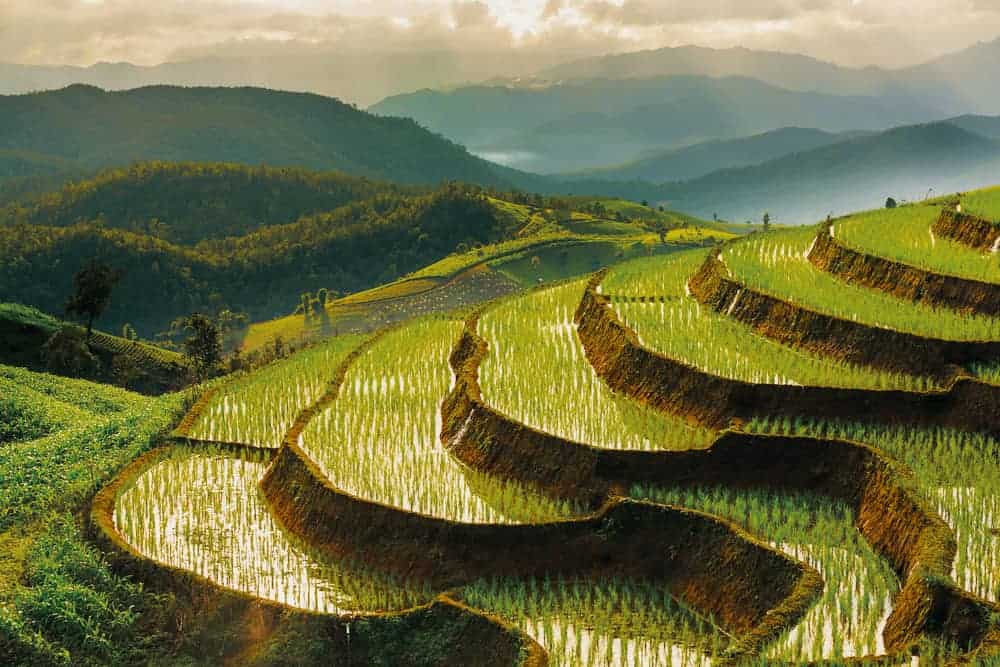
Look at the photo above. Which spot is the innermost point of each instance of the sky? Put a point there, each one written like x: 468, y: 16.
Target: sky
x: 889, y: 33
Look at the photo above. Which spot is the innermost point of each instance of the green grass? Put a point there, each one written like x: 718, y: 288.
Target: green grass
x: 955, y: 472
x: 201, y: 510
x: 681, y: 328
x: 848, y: 619
x: 259, y: 408
x: 984, y: 203
x: 536, y: 372
x: 775, y: 263
x: 904, y: 235
x: 380, y: 440
x: 599, y: 622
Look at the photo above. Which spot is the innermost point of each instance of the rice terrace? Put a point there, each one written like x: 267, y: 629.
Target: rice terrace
x: 499, y: 333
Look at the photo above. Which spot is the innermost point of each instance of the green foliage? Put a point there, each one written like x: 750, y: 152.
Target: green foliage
x: 262, y: 274
x: 187, y: 202
x: 72, y: 599
x: 92, y: 286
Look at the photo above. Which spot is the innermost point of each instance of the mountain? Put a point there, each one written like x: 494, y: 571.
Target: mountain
x: 583, y: 124
x: 362, y: 78
x: 957, y: 83
x: 690, y: 162
x: 784, y: 70
x: 93, y: 128
x: 905, y: 163
x: 988, y: 126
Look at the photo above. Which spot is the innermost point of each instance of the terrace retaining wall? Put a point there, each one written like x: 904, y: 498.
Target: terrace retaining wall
x: 831, y: 336
x: 902, y: 280
x: 970, y: 230
x: 690, y: 553
x: 888, y: 513
x: 486, y: 640
x: 710, y: 400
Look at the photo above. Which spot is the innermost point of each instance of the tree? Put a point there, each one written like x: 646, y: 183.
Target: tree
x: 767, y: 221
x: 67, y: 352
x: 203, y: 346
x: 891, y: 203
x: 92, y: 285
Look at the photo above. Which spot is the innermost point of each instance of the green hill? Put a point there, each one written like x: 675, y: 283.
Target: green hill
x: 188, y: 202
x: 25, y: 330
x: 93, y: 128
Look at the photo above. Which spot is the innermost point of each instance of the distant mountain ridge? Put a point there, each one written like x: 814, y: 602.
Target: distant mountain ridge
x: 92, y: 128
x: 594, y: 123
x: 682, y: 164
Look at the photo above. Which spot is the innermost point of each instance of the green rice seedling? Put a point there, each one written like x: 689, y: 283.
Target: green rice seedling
x: 904, y: 235
x: 777, y: 264
x: 380, y: 439
x: 678, y: 326
x: 202, y: 511
x: 259, y: 408
x: 536, y: 371
x: 601, y: 622
x: 984, y: 203
x: 955, y: 472
x: 848, y: 619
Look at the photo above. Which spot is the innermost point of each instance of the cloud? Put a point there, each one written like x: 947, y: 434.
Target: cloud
x: 855, y: 32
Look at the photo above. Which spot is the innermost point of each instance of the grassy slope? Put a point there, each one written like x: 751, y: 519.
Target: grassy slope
x: 25, y: 330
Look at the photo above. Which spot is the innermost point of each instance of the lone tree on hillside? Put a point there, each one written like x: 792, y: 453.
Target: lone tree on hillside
x: 891, y: 203
x: 92, y: 287
x: 767, y: 221
x: 203, y: 346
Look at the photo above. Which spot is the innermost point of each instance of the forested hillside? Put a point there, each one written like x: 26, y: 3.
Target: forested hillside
x: 188, y: 202
x: 91, y: 128
x: 349, y: 248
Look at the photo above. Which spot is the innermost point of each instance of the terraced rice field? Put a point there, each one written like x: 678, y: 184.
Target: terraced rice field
x: 601, y: 623
x: 201, y: 510
x: 776, y: 264
x: 537, y: 372
x: 904, y: 235
x: 676, y: 325
x: 848, y: 620
x: 956, y: 472
x: 259, y: 408
x: 377, y: 438
x: 380, y: 440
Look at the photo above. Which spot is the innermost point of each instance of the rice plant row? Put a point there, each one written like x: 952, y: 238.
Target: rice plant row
x: 956, y: 472
x: 202, y: 511
x: 536, y: 372
x: 679, y: 327
x: 601, y: 622
x: 380, y: 439
x: 777, y: 264
x: 849, y: 618
x: 904, y: 235
x: 259, y: 408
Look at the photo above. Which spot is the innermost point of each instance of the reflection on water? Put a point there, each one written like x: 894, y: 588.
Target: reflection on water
x: 203, y: 512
